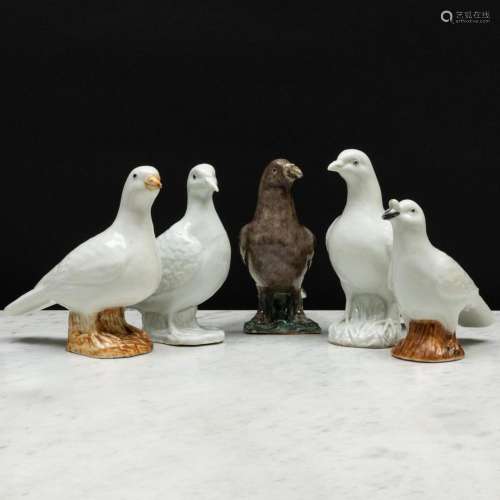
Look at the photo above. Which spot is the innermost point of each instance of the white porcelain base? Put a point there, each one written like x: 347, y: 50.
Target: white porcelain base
x: 373, y: 334
x: 183, y: 331
x: 373, y: 322
x: 188, y: 337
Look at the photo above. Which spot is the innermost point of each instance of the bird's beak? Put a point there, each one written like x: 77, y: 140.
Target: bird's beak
x: 212, y: 182
x: 390, y: 213
x: 153, y: 182
x: 335, y: 166
x: 393, y: 211
x: 293, y: 172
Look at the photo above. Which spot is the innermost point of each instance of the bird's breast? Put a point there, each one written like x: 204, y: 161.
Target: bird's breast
x: 359, y: 253
x: 143, y: 269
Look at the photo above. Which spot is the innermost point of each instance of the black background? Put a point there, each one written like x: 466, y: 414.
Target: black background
x: 91, y: 92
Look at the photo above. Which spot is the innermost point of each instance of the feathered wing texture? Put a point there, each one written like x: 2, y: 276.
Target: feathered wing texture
x: 180, y: 254
x: 452, y: 280
x: 310, y: 257
x: 243, y: 243
x: 455, y: 283
x: 312, y: 240
x: 95, y: 262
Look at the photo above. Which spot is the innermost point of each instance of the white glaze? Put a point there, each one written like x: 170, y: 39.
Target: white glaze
x: 255, y: 418
x: 196, y: 255
x: 359, y: 244
x: 429, y: 284
x: 116, y: 268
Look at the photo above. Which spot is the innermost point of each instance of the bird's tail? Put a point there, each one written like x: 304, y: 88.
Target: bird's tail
x: 31, y: 301
x: 477, y: 314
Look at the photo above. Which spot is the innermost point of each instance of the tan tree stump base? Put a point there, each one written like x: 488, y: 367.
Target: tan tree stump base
x: 427, y: 341
x: 106, y: 335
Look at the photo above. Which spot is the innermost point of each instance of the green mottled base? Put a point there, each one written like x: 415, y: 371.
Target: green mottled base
x: 282, y: 327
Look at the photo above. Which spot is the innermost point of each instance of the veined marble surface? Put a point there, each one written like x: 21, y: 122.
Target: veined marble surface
x: 257, y: 417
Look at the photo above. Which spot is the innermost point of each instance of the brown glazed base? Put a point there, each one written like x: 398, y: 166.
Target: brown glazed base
x: 427, y: 341
x: 106, y: 335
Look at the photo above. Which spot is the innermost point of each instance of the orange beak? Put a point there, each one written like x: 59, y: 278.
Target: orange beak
x: 153, y: 182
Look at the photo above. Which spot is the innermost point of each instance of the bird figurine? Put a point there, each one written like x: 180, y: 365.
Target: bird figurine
x: 100, y: 277
x: 195, y: 253
x: 434, y: 293
x: 278, y: 251
x: 359, y: 244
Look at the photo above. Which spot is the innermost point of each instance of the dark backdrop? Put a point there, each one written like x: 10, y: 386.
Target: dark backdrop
x: 92, y: 92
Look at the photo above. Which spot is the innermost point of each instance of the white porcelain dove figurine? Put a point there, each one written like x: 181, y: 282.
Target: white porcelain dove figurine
x: 429, y: 284
x: 195, y: 254
x: 359, y: 244
x: 114, y: 269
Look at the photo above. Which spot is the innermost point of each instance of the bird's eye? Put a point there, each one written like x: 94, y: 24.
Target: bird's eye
x: 355, y: 163
x: 194, y: 176
x: 135, y: 176
x: 413, y: 211
x: 275, y: 171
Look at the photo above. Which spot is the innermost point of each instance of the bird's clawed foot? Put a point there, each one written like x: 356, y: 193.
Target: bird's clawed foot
x: 260, y: 323
x: 300, y: 317
x: 302, y: 324
x: 281, y: 312
x: 182, y: 328
x: 299, y: 324
x: 106, y: 335
x: 188, y: 336
x: 260, y: 318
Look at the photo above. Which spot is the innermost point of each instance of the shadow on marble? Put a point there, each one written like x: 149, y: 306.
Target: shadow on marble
x: 48, y: 341
x: 468, y: 341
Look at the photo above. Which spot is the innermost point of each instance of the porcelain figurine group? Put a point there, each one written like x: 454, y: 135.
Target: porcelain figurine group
x: 124, y: 266
x: 387, y: 267
x: 389, y: 270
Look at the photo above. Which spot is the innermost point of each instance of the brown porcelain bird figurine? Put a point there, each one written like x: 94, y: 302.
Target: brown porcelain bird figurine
x: 278, y: 251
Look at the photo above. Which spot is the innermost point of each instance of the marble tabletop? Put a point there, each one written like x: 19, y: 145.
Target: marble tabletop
x: 258, y: 417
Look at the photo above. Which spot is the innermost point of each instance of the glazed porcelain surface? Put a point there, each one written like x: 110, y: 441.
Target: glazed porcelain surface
x: 264, y: 417
x: 359, y: 244
x: 429, y: 284
x: 112, y: 270
x: 278, y: 251
x: 116, y: 268
x: 196, y: 255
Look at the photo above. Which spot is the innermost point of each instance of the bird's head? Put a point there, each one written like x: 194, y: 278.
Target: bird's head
x: 141, y: 187
x: 201, y: 181
x: 353, y: 166
x: 405, y: 215
x: 280, y: 174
